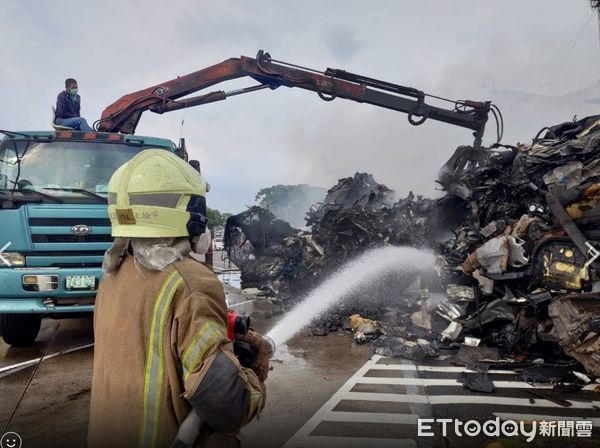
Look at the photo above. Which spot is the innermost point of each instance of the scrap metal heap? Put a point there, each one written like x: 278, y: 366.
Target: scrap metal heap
x: 357, y: 214
x: 519, y: 271
x: 269, y: 252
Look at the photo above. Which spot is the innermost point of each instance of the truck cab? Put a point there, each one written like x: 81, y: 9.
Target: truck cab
x: 54, y: 226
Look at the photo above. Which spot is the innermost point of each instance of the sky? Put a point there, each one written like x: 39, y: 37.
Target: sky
x: 533, y: 58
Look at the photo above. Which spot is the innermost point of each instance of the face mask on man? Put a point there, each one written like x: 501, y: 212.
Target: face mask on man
x: 73, y: 91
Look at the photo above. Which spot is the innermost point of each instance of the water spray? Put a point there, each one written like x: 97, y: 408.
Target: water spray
x: 367, y: 268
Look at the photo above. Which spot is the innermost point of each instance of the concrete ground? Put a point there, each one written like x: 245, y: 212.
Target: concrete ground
x: 47, y: 402
x: 303, y: 378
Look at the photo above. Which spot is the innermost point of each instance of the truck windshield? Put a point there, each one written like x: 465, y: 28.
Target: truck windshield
x: 61, y: 168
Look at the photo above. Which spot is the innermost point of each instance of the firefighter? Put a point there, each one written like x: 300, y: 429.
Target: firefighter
x: 161, y: 346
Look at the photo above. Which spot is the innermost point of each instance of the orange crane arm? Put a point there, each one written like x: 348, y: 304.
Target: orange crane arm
x: 124, y: 114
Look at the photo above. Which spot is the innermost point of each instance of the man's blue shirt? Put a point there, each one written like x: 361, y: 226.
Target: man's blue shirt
x: 67, y: 106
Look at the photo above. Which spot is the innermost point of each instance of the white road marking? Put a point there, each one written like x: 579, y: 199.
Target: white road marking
x: 326, y: 413
x: 453, y: 382
x: 371, y: 417
x: 539, y: 402
x: 553, y: 418
x: 303, y: 438
x: 414, y: 368
x: 393, y: 398
x: 463, y: 399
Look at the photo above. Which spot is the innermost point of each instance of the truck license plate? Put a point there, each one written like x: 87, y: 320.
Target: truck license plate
x: 81, y: 281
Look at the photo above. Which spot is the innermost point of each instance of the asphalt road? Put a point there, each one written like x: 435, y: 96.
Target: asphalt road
x: 379, y: 406
x: 47, y: 401
x: 322, y: 391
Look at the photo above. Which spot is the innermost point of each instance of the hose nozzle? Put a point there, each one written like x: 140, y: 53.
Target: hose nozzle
x: 272, y: 345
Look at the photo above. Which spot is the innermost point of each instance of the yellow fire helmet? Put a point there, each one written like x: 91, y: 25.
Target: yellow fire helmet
x: 156, y: 194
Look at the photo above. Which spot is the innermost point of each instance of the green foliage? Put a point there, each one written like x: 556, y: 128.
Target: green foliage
x: 216, y: 218
x: 276, y: 195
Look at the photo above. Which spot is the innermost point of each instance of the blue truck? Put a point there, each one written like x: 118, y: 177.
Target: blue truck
x: 54, y: 226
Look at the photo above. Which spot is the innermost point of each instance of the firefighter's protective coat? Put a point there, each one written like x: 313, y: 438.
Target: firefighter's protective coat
x: 157, y: 335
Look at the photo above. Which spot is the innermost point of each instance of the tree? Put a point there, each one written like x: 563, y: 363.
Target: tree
x: 216, y: 218
x: 272, y: 197
x: 595, y: 4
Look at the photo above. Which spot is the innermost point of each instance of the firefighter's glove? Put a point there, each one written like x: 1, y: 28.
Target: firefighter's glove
x: 261, y: 348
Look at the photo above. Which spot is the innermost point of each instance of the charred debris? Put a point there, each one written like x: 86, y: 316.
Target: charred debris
x: 517, y: 234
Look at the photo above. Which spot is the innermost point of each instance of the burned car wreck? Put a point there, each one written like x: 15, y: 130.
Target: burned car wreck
x: 517, y: 237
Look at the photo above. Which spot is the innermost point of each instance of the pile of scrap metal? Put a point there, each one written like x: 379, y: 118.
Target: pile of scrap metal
x: 357, y: 214
x: 522, y: 270
x: 268, y: 251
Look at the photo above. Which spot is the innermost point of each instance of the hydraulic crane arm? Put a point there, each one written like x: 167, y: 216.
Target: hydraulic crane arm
x: 124, y: 115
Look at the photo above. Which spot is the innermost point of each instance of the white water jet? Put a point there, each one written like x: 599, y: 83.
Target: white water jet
x: 367, y: 268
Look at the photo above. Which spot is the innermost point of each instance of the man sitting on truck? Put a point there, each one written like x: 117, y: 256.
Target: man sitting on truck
x: 68, y: 104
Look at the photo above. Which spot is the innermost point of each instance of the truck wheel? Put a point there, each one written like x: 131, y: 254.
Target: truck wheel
x: 19, y: 330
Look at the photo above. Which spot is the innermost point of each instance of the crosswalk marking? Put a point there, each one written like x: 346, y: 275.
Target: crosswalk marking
x: 517, y: 417
x: 415, y: 368
x: 397, y: 398
x: 452, y: 382
x: 372, y: 417
x: 303, y: 437
x: 473, y: 399
x: 478, y: 399
x: 351, y: 411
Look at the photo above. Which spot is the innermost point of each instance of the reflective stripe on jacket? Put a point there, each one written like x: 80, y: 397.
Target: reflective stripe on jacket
x: 156, y: 336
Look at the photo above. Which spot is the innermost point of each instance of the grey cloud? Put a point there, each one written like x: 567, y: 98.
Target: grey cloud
x: 290, y: 136
x: 342, y: 42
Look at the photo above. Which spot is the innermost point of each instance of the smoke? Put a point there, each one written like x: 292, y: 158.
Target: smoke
x: 536, y: 71
x: 292, y: 202
x: 343, y: 42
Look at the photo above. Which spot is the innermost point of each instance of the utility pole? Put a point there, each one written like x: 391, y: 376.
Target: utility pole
x: 595, y: 4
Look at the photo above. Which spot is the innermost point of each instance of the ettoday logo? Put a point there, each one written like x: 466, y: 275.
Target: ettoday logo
x: 507, y: 428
